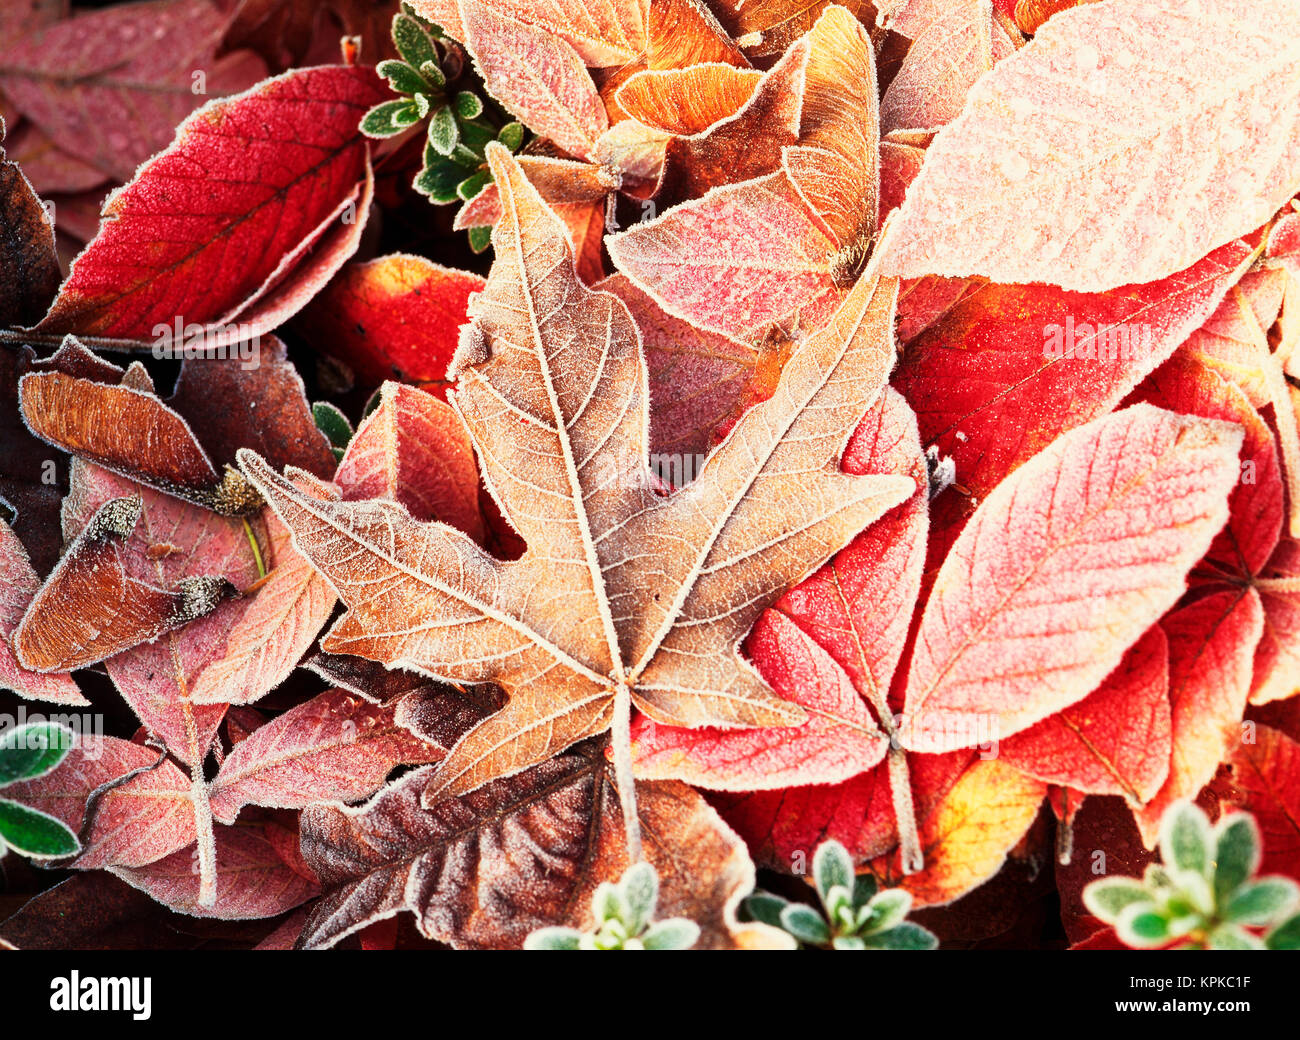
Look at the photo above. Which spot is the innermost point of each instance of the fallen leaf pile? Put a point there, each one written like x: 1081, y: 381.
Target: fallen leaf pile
x: 442, y: 471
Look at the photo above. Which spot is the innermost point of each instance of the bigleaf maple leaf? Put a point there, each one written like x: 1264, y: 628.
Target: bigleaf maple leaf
x: 624, y: 596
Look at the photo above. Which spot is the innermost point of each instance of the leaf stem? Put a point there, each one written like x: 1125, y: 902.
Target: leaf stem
x: 1279, y: 586
x: 257, y: 552
x: 900, y: 787
x: 621, y: 738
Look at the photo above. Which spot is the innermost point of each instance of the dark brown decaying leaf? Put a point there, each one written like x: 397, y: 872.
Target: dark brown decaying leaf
x: 29, y: 269
x: 484, y: 869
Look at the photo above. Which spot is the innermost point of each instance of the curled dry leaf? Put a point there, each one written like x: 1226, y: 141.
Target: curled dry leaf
x: 564, y: 450
x: 18, y: 585
x: 99, y: 600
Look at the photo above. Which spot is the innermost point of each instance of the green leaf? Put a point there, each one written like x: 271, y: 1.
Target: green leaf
x: 1186, y: 838
x: 434, y: 74
x: 676, y: 933
x: 402, y: 77
x: 34, y: 833
x: 1285, y: 936
x: 906, y: 936
x: 805, y: 924
x: 607, y: 903
x: 468, y: 105
x: 33, y: 750
x: 1193, y: 893
x: 1230, y: 937
x: 766, y: 908
x: 886, y: 910
x: 864, y: 887
x: 422, y: 105
x: 333, y: 423
x: 512, y: 136
x: 480, y: 238
x: 1140, y: 926
x: 832, y: 866
x: 439, y: 182
x: 1107, y: 899
x: 387, y: 119
x: 473, y: 184
x: 554, y: 939
x: 1261, y: 902
x: 1236, y: 854
x: 412, y: 42
x: 640, y: 892
x: 444, y: 133
x: 848, y: 942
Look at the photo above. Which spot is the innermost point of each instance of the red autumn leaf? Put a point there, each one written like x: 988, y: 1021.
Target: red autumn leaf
x: 113, y: 84
x: 538, y: 77
x: 1022, y: 186
x: 696, y: 378
x: 783, y: 828
x: 1277, y: 659
x: 18, y: 585
x: 740, y: 257
x: 830, y: 644
x: 172, y: 541
x: 130, y: 805
x: 278, y: 625
x: 1117, y: 740
x: 252, y: 878
x: 49, y: 168
x: 1211, y: 648
x: 1266, y: 783
x: 1068, y: 561
x: 335, y: 747
x: 391, y: 318
x: 298, y: 165
x: 1255, y: 507
x: 412, y: 449
x: 1010, y: 368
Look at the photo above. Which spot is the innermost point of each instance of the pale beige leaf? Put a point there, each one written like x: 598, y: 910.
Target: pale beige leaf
x: 1126, y: 141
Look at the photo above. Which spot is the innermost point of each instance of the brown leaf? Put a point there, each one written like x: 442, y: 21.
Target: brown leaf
x: 91, y: 607
x: 471, y: 871
x: 553, y: 393
x: 29, y: 268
